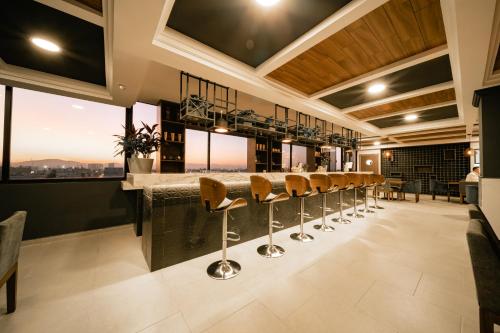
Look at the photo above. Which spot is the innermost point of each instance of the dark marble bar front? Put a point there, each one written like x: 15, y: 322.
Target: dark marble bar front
x: 176, y: 227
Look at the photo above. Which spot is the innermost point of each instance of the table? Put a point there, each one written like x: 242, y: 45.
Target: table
x: 452, y: 184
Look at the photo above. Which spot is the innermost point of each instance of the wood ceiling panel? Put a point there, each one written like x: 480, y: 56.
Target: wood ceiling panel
x: 439, y: 132
x: 434, y: 139
x: 496, y: 66
x: 432, y: 131
x: 394, y: 31
x: 406, y: 104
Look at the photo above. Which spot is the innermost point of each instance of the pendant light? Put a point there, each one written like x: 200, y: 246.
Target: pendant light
x: 287, y: 138
x: 469, y: 152
x: 221, y: 125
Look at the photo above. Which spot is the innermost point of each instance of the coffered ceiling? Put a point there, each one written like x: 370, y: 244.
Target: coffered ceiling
x: 318, y: 57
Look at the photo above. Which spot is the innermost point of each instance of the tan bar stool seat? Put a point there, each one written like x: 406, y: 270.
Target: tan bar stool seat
x: 299, y: 187
x: 323, y: 185
x: 213, y: 197
x: 342, y: 183
x: 261, y: 191
x: 369, y: 180
x: 357, y: 181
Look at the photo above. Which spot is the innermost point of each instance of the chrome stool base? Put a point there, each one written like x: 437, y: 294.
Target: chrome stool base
x: 301, y: 237
x: 356, y: 215
x: 324, y: 227
x: 341, y: 220
x: 367, y: 211
x: 271, y: 251
x: 221, y: 270
x: 377, y: 207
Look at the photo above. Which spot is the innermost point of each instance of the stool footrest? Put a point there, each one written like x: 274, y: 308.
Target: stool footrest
x: 233, y: 236
x: 277, y: 225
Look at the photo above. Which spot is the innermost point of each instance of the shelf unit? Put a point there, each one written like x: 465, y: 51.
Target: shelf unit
x: 261, y: 154
x: 173, y: 132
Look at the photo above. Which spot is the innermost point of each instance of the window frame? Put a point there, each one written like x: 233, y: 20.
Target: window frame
x: 7, y: 135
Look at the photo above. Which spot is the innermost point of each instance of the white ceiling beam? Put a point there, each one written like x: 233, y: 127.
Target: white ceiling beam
x: 388, y: 69
x: 490, y: 76
x: 31, y: 79
x: 402, y: 136
x: 468, y: 27
x: 67, y: 7
x: 428, y: 125
x: 436, y: 136
x: 414, y: 144
x: 414, y: 93
x: 336, y: 22
x: 414, y: 110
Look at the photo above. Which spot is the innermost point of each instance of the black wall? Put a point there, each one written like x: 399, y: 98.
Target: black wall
x: 406, y: 159
x: 64, y: 207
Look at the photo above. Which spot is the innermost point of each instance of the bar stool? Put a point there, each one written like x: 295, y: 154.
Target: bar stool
x: 323, y: 185
x: 299, y: 187
x: 261, y: 191
x: 342, y: 183
x: 357, y: 181
x: 369, y: 181
x: 379, y: 180
x: 213, y: 197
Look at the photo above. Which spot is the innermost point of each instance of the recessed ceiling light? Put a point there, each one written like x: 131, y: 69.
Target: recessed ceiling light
x: 76, y: 106
x: 411, y: 117
x: 376, y: 143
x: 376, y: 88
x: 46, y: 44
x: 122, y: 87
x: 267, y: 3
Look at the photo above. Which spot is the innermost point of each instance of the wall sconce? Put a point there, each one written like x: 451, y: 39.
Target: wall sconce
x: 388, y: 154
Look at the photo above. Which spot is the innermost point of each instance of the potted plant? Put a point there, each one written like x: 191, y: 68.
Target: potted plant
x: 145, y: 141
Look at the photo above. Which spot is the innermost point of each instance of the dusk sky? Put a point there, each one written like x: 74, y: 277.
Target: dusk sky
x: 46, y: 126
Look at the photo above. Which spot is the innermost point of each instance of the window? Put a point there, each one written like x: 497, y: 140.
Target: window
x: 299, y: 155
x: 285, y: 156
x: 62, y: 137
x: 196, y: 156
x: 228, y: 153
x: 2, y: 106
x: 146, y: 113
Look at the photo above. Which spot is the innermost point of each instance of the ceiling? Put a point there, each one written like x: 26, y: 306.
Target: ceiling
x: 82, y: 43
x: 248, y: 33
x: 318, y: 57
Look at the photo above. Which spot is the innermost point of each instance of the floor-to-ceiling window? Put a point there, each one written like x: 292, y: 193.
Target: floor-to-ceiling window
x: 147, y: 114
x: 61, y: 137
x: 299, y: 155
x: 285, y: 156
x: 196, y: 155
x: 228, y: 153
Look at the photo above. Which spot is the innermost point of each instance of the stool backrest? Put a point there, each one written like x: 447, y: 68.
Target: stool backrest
x: 380, y: 179
x: 296, y: 185
x: 356, y: 179
x: 212, y: 193
x: 369, y: 179
x: 11, y: 235
x: 339, y: 180
x: 320, y: 182
x: 261, y: 187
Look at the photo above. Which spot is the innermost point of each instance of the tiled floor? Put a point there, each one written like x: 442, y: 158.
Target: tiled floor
x: 404, y: 269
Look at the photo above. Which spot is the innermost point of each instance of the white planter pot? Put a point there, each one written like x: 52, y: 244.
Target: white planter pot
x: 140, y: 165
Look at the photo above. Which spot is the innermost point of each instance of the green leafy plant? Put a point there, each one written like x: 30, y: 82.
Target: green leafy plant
x: 145, y: 141
x: 149, y: 140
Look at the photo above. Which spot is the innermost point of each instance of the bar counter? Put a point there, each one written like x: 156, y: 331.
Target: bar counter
x: 176, y: 226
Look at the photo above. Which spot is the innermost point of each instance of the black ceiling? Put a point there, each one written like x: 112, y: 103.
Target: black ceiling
x: 246, y: 31
x: 419, y: 76
x: 440, y: 113
x: 82, y: 43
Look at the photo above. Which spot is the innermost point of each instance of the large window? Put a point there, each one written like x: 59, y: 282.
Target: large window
x: 285, y: 156
x: 299, y: 155
x: 196, y: 156
x: 228, y: 153
x: 62, y: 137
x: 2, y: 106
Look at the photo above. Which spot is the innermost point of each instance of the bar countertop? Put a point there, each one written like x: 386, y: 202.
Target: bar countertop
x: 139, y: 181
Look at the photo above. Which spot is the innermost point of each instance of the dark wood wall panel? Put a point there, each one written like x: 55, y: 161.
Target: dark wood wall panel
x: 405, y: 104
x: 394, y: 31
